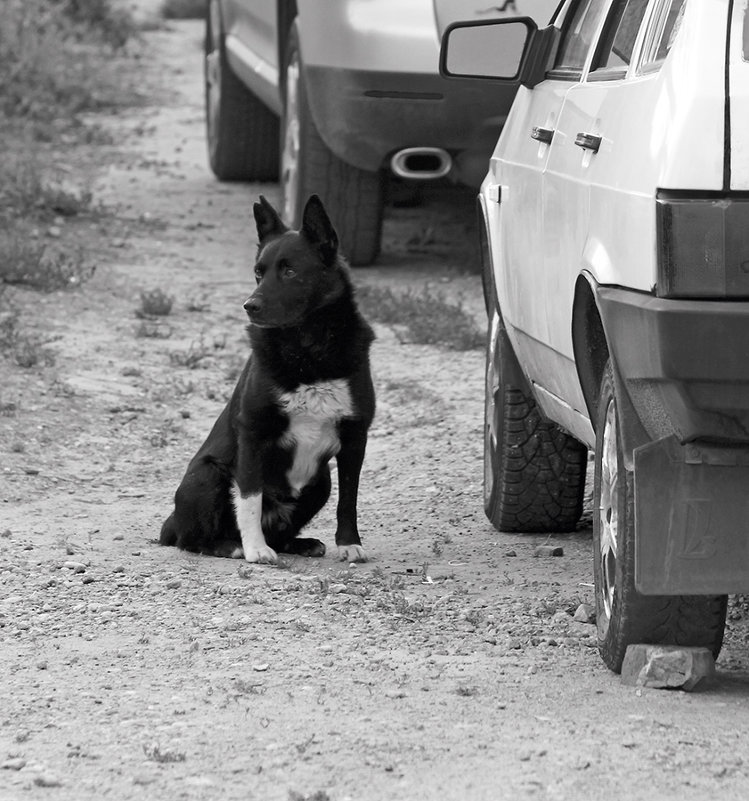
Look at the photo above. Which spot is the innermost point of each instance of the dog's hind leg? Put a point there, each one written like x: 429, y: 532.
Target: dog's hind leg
x: 168, y: 534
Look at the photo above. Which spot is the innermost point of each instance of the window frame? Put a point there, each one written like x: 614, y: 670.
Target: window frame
x: 605, y: 43
x: 647, y: 64
x: 573, y: 74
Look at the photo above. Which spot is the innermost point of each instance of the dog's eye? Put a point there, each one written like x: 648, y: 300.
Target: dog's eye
x: 258, y: 274
x: 288, y: 272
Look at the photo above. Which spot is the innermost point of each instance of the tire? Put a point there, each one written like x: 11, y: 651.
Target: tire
x: 353, y: 198
x: 534, y: 472
x: 623, y: 615
x: 242, y: 133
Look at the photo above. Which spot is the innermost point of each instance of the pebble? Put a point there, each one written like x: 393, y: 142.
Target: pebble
x: 585, y: 613
x: 14, y: 763
x: 548, y: 550
x: 76, y: 567
x: 336, y: 589
x: 54, y: 231
x: 173, y: 584
x: 46, y: 780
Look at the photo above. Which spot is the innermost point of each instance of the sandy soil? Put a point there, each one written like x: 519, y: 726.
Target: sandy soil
x: 449, y: 666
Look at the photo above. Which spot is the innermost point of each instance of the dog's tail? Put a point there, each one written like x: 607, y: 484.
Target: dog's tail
x: 168, y: 534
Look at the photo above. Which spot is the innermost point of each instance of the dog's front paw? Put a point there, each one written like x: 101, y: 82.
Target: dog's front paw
x: 351, y: 553
x: 261, y: 555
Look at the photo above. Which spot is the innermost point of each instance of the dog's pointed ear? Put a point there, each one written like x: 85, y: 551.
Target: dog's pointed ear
x: 318, y: 230
x: 268, y: 222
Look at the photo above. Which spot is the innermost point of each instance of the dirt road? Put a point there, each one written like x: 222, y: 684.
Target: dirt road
x: 449, y: 666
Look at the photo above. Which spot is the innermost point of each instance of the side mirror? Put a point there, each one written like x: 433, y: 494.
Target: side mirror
x: 504, y: 50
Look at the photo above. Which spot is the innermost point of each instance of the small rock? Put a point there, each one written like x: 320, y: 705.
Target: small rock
x: 585, y: 613
x: 54, y: 231
x: 667, y: 666
x: 14, y: 763
x: 548, y: 550
x: 118, y: 537
x: 88, y: 580
x: 76, y: 567
x: 185, y: 414
x: 118, y: 569
x: 46, y: 780
x: 260, y: 668
x: 173, y: 584
x: 7, y: 533
x: 337, y: 589
x: 511, y: 552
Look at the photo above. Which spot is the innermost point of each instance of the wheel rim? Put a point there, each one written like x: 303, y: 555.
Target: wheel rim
x: 608, y: 511
x: 491, y: 434
x: 213, y: 76
x: 290, y: 150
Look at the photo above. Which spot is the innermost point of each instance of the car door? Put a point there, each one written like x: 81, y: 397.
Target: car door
x: 587, y: 165
x: 524, y: 149
x: 516, y: 182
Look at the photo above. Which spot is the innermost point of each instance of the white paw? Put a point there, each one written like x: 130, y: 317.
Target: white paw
x: 262, y: 555
x: 351, y: 553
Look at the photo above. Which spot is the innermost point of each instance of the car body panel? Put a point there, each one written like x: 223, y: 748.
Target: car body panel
x: 596, y: 211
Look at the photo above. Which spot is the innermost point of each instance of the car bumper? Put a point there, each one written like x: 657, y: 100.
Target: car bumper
x: 365, y: 116
x: 684, y: 364
x: 682, y: 374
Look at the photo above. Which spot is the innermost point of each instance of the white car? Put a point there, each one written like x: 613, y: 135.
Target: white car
x: 615, y: 217
x: 332, y: 96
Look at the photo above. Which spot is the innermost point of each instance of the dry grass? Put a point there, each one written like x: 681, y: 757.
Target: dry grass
x: 423, y: 318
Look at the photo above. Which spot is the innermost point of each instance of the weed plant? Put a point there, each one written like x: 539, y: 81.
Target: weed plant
x: 50, y: 67
x: 154, y: 303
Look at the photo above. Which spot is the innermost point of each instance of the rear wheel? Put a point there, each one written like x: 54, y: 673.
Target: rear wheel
x: 353, y: 198
x: 242, y: 133
x: 534, y: 473
x: 623, y: 615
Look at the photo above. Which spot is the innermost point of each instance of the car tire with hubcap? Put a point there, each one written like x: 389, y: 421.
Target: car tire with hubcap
x: 353, y: 198
x: 242, y: 132
x: 534, y: 472
x: 623, y: 615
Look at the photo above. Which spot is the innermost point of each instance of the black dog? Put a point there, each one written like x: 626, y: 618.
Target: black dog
x: 304, y: 396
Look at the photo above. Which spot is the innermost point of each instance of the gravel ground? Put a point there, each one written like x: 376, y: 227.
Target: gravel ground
x: 449, y: 666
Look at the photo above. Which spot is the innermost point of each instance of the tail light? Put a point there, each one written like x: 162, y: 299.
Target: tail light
x: 703, y: 245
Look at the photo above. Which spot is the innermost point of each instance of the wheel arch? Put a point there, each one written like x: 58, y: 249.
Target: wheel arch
x: 488, y: 285
x: 589, y: 343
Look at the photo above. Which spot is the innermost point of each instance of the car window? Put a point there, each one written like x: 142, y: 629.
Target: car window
x: 661, y: 35
x: 578, y: 32
x: 618, y: 41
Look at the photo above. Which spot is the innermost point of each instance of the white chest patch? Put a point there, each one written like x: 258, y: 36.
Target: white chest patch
x: 314, y: 411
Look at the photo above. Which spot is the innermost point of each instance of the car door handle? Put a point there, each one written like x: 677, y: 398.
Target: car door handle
x: 544, y: 135
x: 588, y: 141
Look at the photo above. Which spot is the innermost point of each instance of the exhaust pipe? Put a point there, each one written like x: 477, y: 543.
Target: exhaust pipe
x: 422, y: 163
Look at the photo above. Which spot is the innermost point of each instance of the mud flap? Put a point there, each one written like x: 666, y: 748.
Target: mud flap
x: 691, y: 519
